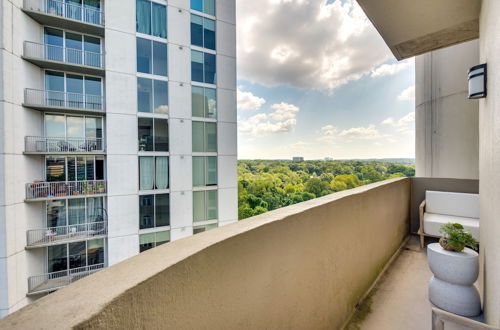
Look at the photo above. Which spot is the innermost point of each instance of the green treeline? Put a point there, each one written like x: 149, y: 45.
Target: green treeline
x: 265, y: 185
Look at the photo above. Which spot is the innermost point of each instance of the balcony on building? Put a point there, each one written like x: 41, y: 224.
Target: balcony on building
x: 48, y: 190
x: 56, y: 101
x: 71, y: 15
x: 43, y: 145
x: 66, y: 234
x: 50, y: 282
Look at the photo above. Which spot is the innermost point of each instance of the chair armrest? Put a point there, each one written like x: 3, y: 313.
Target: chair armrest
x: 421, y: 210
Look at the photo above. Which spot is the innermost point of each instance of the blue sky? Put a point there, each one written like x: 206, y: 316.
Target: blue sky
x: 316, y: 80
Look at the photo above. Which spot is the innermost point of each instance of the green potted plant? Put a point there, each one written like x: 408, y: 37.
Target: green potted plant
x: 455, y: 238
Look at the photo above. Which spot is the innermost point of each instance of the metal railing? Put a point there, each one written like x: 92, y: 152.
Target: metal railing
x: 62, y: 234
x: 36, y: 97
x: 60, y: 144
x: 63, y: 54
x: 56, y: 280
x: 43, y: 189
x: 67, y: 10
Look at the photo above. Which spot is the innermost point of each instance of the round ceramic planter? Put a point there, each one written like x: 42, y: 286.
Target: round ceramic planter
x: 458, y: 299
x: 460, y: 268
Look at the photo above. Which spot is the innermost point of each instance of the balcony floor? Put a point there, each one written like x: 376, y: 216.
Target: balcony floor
x: 400, y: 299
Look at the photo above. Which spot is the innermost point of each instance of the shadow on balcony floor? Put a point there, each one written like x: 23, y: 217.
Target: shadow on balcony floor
x: 399, y: 300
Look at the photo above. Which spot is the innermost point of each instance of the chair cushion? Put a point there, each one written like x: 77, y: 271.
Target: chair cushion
x: 433, y: 221
x: 451, y: 203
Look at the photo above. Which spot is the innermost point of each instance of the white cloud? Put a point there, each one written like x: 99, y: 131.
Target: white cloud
x: 248, y: 101
x: 364, y: 133
x: 403, y: 124
x: 306, y: 43
x: 390, y: 69
x: 407, y: 94
x: 281, y: 120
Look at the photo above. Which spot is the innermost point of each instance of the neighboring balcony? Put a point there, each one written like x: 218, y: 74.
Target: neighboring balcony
x: 41, y: 145
x: 66, y: 234
x: 63, y: 102
x: 63, y: 58
x: 53, y: 281
x: 65, y: 14
x: 43, y: 190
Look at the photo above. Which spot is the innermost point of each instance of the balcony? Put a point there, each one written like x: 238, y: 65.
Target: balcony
x: 42, y: 190
x: 52, y: 281
x: 63, y: 58
x: 41, y: 145
x: 66, y: 15
x: 65, y: 234
x: 55, y: 101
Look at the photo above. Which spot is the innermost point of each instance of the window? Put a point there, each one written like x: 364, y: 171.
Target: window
x: 75, y: 255
x: 204, y: 171
x: 153, y: 134
x: 154, y: 211
x: 152, y: 57
x: 151, y: 18
x: 82, y: 91
x: 202, y: 32
x: 201, y: 229
x: 149, y: 241
x: 73, y: 133
x: 69, y: 212
x: 204, y: 205
x: 153, y: 173
x: 204, y: 136
x: 203, y: 67
x: 204, y: 102
x: 204, y: 6
x: 78, y: 168
x: 152, y: 96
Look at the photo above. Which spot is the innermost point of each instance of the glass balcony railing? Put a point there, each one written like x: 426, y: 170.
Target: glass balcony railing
x: 43, y: 99
x: 42, y: 144
x: 56, y: 280
x: 44, y: 190
x: 79, y: 57
x: 66, y: 9
x: 65, y: 234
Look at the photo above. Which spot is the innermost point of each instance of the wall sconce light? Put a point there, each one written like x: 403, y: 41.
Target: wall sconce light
x: 477, y: 81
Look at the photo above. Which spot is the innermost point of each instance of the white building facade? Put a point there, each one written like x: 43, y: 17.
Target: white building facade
x: 118, y: 133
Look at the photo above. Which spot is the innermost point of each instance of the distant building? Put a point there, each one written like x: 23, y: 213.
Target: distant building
x: 298, y: 159
x: 328, y: 159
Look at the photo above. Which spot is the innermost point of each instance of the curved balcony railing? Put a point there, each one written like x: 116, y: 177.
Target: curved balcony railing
x: 53, y: 281
x: 64, y: 234
x: 50, y: 190
x: 42, y: 144
x: 55, y: 99
x: 66, y: 9
x: 63, y: 54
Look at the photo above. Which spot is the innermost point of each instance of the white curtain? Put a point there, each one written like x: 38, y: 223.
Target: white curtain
x: 161, y: 172
x: 146, y: 175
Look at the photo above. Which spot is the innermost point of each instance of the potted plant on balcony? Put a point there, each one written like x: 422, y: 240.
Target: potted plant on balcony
x: 101, y: 189
x: 455, y: 268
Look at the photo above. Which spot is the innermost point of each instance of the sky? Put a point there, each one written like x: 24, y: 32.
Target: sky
x: 316, y: 80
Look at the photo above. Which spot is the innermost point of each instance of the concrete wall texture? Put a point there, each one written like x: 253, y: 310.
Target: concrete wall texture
x: 489, y: 161
x: 446, y: 122
x: 315, y: 261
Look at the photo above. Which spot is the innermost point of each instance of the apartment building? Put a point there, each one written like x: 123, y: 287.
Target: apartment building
x: 118, y: 131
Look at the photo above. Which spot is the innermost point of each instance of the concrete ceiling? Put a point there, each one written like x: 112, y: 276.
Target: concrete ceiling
x: 413, y: 27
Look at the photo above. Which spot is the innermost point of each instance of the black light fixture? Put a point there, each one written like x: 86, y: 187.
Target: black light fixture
x: 477, y: 81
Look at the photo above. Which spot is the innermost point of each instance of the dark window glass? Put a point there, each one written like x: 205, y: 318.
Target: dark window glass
x: 57, y: 258
x: 209, y: 33
x: 80, y: 168
x: 54, y: 81
x: 197, y: 30
x: 74, y: 47
x: 162, y: 210
x: 160, y: 58
x: 54, y: 41
x: 99, y: 169
x: 197, y: 5
x: 145, y: 134
x: 93, y: 86
x: 56, y: 213
x: 55, y: 168
x: 77, y: 255
x: 95, y: 251
x: 146, y: 211
x: 90, y: 168
x: 146, y: 242
x: 211, y: 137
x: 161, y: 134
x: 144, y: 95
x: 71, y: 169
x: 159, y: 21
x: 160, y: 97
x: 144, y: 57
x: 197, y: 66
x: 210, y: 68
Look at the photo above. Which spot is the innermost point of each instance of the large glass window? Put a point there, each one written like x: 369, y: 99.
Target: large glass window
x: 77, y: 168
x: 154, y: 211
x: 152, y: 57
x: 204, y: 205
x: 201, y: 229
x: 152, y: 95
x: 82, y: 91
x: 75, y: 255
x: 202, y: 32
x: 153, y: 173
x: 149, y: 241
x: 204, y: 136
x: 79, y: 49
x: 204, y: 171
x: 151, y: 18
x: 205, y: 6
x: 203, y: 67
x: 204, y: 102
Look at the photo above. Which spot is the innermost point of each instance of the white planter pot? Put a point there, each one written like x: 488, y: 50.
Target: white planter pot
x: 454, y: 267
x: 459, y: 299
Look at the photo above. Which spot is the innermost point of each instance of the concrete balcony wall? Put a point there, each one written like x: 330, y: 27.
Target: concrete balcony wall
x: 305, y: 266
